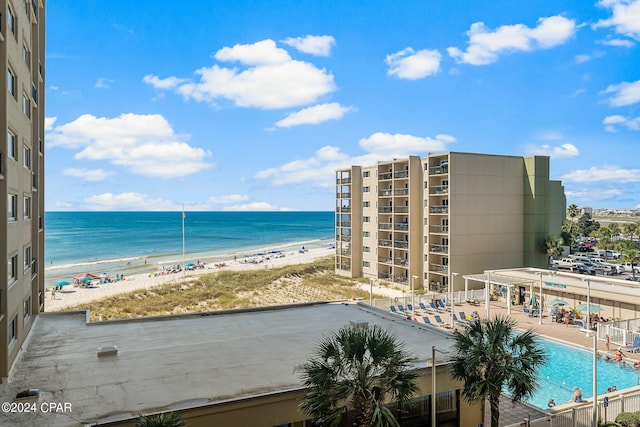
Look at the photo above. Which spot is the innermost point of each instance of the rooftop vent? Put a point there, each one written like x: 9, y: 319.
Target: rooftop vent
x: 108, y: 350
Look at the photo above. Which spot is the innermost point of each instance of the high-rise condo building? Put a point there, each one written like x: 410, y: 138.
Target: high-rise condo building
x: 420, y: 221
x: 22, y: 40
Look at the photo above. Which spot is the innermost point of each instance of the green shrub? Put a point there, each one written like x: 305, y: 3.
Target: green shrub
x: 628, y: 419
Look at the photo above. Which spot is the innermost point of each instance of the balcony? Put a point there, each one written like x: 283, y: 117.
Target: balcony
x: 401, y: 174
x: 401, y: 262
x: 345, y: 223
x: 343, y: 181
x: 439, y: 228
x: 343, y: 195
x: 400, y: 244
x: 402, y: 227
x: 387, y: 193
x: 439, y: 189
x: 344, y: 238
x: 384, y: 259
x: 385, y: 226
x: 343, y: 266
x: 401, y: 209
x: 345, y: 252
x: 439, y: 170
x: 439, y: 210
x: 343, y: 209
x: 401, y: 192
x: 384, y: 176
x: 385, y: 243
x: 439, y: 248
x: 385, y: 209
x: 384, y: 276
x: 438, y: 268
x: 400, y: 279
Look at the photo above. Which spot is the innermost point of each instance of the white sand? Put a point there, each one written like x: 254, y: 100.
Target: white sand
x: 72, y: 295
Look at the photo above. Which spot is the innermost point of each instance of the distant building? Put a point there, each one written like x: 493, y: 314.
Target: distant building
x: 418, y: 220
x: 22, y: 49
x: 232, y: 368
x: 586, y: 210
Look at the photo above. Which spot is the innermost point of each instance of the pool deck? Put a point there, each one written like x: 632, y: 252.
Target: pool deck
x: 509, y: 412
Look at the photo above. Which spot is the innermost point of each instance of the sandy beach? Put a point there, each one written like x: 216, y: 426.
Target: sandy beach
x: 72, y: 295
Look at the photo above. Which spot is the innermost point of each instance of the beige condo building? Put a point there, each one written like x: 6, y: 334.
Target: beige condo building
x: 420, y: 221
x: 22, y: 40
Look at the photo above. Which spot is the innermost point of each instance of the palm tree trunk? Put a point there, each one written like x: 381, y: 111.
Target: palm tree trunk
x: 494, y: 403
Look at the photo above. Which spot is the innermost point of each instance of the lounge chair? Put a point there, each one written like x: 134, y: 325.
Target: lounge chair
x: 400, y: 308
x: 442, y: 304
x: 427, y: 321
x: 579, y: 324
x: 635, y: 347
x: 473, y: 301
x: 439, y: 321
x: 424, y: 307
x: 394, y: 311
x: 525, y: 310
x: 410, y: 307
x: 459, y: 321
x: 463, y: 316
x: 434, y: 308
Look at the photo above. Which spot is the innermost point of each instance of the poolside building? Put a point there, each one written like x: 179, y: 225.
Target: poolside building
x: 237, y: 367
x: 22, y: 51
x: 420, y: 221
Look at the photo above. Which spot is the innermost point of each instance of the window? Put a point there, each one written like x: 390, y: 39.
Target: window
x: 365, y: 189
x: 365, y: 234
x: 365, y: 174
x: 27, y: 309
x: 26, y: 105
x: 26, y: 157
x: 365, y: 219
x: 12, y: 331
x: 12, y: 82
x: 27, y: 207
x: 366, y: 249
x: 365, y: 264
x: 12, y: 145
x: 365, y: 204
x: 11, y: 20
x: 27, y: 258
x: 12, y: 207
x: 12, y: 269
x: 26, y: 56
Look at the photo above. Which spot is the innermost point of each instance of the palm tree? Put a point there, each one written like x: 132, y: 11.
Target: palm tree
x: 553, y: 246
x: 490, y: 356
x: 572, y: 212
x: 169, y: 419
x: 357, y: 370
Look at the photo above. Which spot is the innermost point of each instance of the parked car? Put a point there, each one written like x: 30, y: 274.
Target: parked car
x: 631, y: 266
x: 575, y: 266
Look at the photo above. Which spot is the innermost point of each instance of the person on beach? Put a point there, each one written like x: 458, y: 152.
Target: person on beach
x: 577, y: 395
x: 53, y: 293
x: 619, y: 355
x: 551, y: 403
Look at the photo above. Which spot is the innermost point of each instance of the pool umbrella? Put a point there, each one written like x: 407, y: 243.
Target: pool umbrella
x: 555, y: 302
x: 591, y: 308
x: 533, y: 301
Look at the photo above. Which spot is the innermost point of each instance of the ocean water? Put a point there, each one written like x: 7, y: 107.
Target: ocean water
x: 128, y: 242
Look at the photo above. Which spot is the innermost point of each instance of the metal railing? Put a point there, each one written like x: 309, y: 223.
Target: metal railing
x: 439, y: 228
x: 343, y: 180
x: 385, y: 243
x: 385, y: 226
x: 439, y: 248
x: 384, y: 259
x: 439, y: 209
x: 438, y: 267
x: 438, y: 170
x: 401, y: 174
x: 401, y: 192
x: 439, y: 189
x: 343, y: 209
x: 385, y: 209
x: 400, y: 244
x: 401, y: 209
x: 387, y: 175
x: 385, y: 193
x: 343, y: 195
x: 402, y: 227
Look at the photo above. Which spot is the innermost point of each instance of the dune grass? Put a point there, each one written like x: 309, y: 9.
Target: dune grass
x: 223, y: 290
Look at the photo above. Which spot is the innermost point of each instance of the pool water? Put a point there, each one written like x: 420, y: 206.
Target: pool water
x: 568, y: 366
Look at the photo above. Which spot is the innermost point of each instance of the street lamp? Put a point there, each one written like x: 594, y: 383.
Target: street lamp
x: 588, y: 302
x: 539, y: 273
x: 371, y: 280
x: 433, y: 382
x: 413, y: 292
x: 453, y: 275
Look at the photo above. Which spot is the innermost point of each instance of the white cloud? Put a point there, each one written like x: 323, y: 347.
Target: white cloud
x: 624, y: 93
x: 411, y: 65
x: 593, y: 194
x: 92, y: 175
x: 103, y: 83
x: 562, y: 151
x: 228, y: 198
x: 611, y: 122
x: 314, y: 45
x: 603, y: 173
x: 617, y: 42
x: 319, y: 169
x: 315, y: 115
x: 271, y: 79
x: 625, y: 17
x: 551, y: 136
x: 130, y: 201
x: 581, y: 59
x: 485, y: 46
x: 144, y: 144
x: 48, y: 123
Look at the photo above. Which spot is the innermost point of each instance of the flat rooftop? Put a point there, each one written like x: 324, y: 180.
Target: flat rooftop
x: 177, y: 362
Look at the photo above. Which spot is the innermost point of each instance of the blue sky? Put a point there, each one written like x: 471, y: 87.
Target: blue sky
x: 252, y: 105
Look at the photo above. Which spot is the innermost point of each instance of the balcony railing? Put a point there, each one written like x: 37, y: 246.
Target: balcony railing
x: 345, y: 252
x: 438, y: 170
x: 384, y: 276
x: 385, y: 226
x: 401, y: 174
x: 401, y: 192
x: 384, y: 193
x: 401, y: 262
x: 343, y: 180
x: 384, y: 242
x: 401, y: 209
x: 343, y: 209
x: 400, y: 279
x: 385, y: 209
x: 384, y: 176
x: 402, y: 227
x: 345, y: 223
x: 401, y: 244
x: 343, y: 266
x: 438, y: 267
x: 439, y: 189
x: 439, y: 209
x: 439, y: 248
x: 343, y: 195
x: 384, y: 259
x: 439, y: 228
x: 344, y: 238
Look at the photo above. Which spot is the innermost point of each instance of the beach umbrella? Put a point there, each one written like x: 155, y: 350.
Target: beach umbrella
x: 555, y: 302
x: 62, y: 283
x: 86, y: 279
x: 591, y: 308
x: 189, y: 264
x: 86, y: 275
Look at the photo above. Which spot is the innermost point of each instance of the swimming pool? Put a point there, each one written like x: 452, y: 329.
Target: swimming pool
x: 570, y: 366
